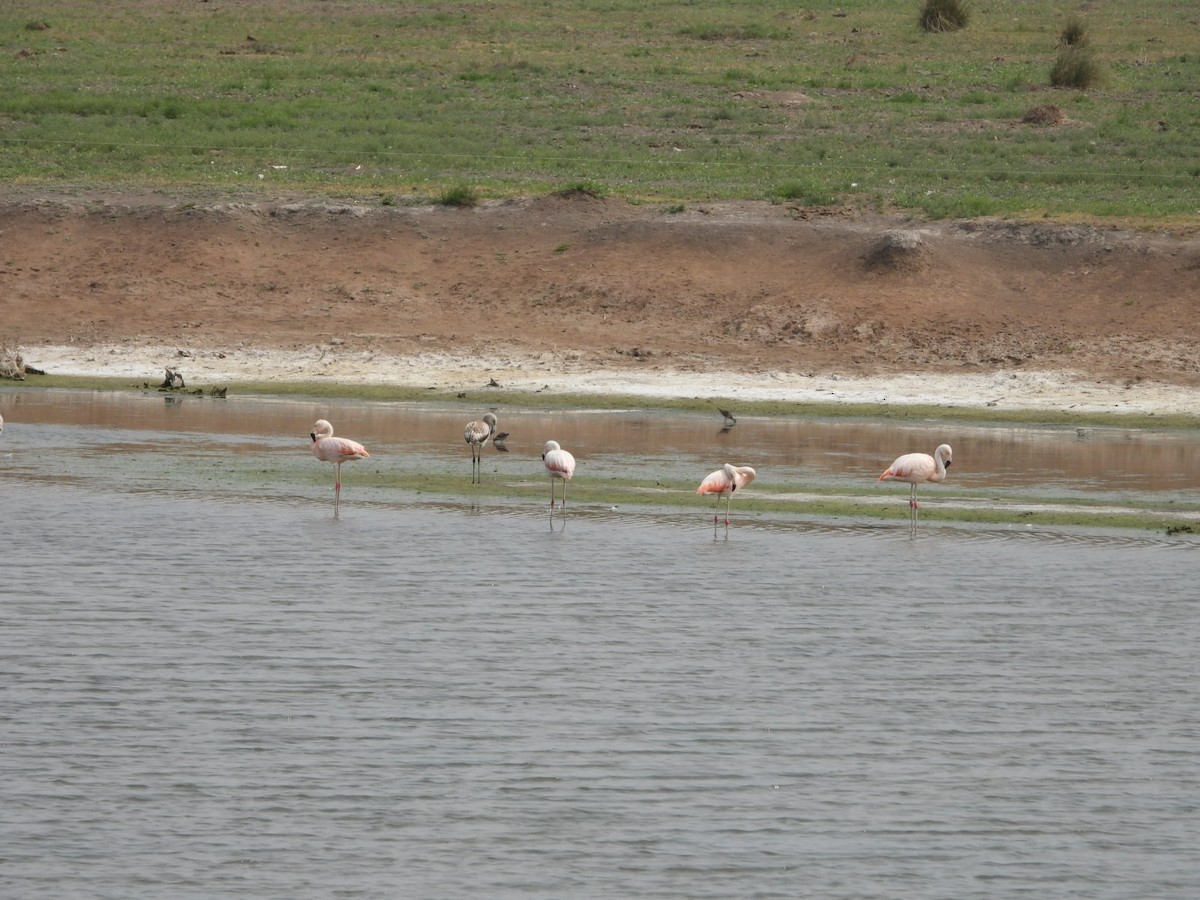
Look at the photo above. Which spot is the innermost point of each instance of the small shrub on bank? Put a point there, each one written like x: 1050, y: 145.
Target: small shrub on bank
x: 1076, y: 67
x: 591, y: 189
x: 459, y: 195
x: 944, y: 15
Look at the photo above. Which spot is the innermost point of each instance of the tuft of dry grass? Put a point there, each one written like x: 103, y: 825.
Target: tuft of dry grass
x: 1076, y: 67
x: 1074, y: 33
x: 944, y: 15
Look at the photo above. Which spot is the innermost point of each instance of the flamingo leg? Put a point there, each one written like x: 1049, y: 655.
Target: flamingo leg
x: 337, y: 487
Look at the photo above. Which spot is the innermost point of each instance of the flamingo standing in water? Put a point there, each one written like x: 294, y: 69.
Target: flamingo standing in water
x: 560, y: 465
x: 1, y: 424
x: 723, y: 483
x: 336, y: 450
x: 477, y: 434
x: 918, y: 468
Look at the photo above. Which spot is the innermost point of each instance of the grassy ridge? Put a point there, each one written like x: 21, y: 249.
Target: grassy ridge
x: 827, y: 103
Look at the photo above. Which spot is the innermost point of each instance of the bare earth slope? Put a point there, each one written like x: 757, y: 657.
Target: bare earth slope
x: 595, y: 284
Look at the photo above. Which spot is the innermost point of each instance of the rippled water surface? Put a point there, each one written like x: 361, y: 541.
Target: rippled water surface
x: 212, y: 688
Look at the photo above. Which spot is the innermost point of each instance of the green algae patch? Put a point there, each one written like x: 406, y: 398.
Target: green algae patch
x: 814, y: 504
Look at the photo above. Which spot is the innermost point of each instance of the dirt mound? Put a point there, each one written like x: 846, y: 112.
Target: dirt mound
x: 1045, y: 115
x: 898, y: 251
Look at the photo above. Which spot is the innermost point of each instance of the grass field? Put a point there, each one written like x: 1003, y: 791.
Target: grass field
x: 819, y: 103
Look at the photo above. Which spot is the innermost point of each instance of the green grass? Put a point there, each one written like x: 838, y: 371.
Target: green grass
x: 676, y: 101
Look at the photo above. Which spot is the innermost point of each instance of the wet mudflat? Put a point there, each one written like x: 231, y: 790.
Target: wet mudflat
x: 413, y: 441
x: 214, y: 688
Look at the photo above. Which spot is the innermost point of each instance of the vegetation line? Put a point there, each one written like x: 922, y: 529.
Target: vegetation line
x: 1115, y: 176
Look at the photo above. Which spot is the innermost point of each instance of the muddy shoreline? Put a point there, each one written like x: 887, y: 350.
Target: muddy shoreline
x: 1001, y: 391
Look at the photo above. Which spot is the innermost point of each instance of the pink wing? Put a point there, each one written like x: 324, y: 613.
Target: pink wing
x: 560, y: 464
x: 716, y: 483
x: 337, y: 449
x: 911, y: 467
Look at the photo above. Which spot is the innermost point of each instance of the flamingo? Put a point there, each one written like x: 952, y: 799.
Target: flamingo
x: 724, y: 482
x: 918, y: 468
x: 477, y: 434
x: 336, y: 450
x: 559, y: 464
x: 1, y: 424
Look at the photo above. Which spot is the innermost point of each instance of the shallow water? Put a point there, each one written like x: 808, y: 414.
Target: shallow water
x: 212, y: 689
x: 990, y: 460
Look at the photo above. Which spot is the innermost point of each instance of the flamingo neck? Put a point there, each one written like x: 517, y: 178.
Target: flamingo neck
x: 940, y: 462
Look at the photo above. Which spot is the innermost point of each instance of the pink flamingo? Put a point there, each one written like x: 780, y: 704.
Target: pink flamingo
x: 561, y: 465
x: 477, y: 434
x: 918, y: 468
x: 1, y: 424
x: 336, y: 450
x: 723, y: 483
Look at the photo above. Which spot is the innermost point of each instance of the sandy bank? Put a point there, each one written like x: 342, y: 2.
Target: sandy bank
x: 565, y: 373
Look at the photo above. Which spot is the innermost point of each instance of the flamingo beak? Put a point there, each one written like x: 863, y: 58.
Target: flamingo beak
x: 948, y: 463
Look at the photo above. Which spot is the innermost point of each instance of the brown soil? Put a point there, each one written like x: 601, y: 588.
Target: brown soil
x: 749, y: 286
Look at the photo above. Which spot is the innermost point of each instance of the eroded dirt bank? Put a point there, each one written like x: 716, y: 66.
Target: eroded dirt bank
x: 579, y: 285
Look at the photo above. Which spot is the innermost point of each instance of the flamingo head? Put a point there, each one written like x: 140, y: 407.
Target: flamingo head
x: 321, y: 429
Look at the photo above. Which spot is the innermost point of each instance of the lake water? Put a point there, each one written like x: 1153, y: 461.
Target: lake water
x: 210, y: 687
